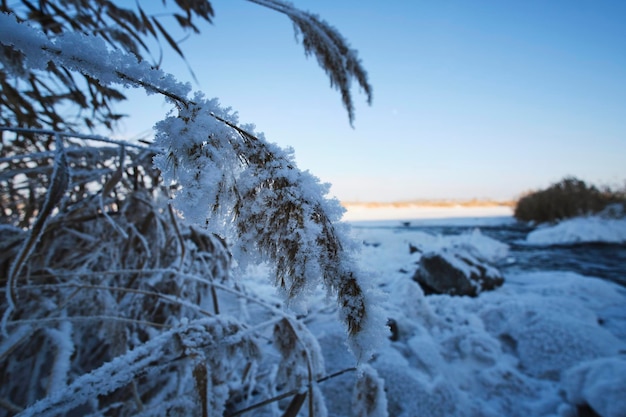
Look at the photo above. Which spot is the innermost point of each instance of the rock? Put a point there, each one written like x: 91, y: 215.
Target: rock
x: 586, y: 411
x: 455, y: 273
x: 393, y: 328
x: 413, y: 249
x: 372, y: 244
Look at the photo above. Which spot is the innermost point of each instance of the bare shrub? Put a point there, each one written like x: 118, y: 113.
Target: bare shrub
x: 568, y: 198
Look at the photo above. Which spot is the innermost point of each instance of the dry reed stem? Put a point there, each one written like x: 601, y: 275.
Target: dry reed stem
x: 122, y: 293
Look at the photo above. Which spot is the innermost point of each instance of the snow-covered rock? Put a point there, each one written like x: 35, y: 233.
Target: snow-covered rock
x: 480, y: 246
x: 456, y: 273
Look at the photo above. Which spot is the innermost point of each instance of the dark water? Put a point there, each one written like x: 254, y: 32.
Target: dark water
x: 600, y: 260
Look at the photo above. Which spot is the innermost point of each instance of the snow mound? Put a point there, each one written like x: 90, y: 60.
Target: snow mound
x: 549, y: 334
x: 600, y: 383
x: 591, y: 229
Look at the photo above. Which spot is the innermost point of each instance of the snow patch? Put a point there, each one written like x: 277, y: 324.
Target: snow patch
x: 600, y: 383
x: 580, y: 230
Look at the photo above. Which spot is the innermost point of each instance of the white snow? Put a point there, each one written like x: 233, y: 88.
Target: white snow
x: 592, y: 229
x: 600, y: 383
x: 540, y: 345
x: 391, y: 211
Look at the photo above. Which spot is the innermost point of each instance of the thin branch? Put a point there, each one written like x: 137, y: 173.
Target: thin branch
x: 41, y: 321
x: 9, y: 406
x: 73, y: 135
x: 287, y: 394
x: 119, y: 289
x: 172, y: 271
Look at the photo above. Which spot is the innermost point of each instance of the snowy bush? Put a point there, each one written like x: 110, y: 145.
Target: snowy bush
x: 120, y: 261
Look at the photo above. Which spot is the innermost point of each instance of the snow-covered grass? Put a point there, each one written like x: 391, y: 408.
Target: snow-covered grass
x: 243, y: 201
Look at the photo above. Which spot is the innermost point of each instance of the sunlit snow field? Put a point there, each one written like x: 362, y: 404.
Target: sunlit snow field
x: 358, y: 212
x: 546, y: 343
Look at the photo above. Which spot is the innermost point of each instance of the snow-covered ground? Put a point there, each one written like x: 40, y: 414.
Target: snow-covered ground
x: 543, y: 344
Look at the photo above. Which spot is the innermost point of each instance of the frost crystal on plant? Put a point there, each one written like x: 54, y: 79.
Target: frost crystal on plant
x: 127, y: 309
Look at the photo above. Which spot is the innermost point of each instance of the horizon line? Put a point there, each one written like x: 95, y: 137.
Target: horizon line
x: 448, y: 202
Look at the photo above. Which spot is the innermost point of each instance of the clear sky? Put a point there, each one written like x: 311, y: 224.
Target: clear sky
x: 483, y: 99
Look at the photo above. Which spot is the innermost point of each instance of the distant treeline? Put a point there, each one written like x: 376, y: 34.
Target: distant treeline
x: 568, y: 198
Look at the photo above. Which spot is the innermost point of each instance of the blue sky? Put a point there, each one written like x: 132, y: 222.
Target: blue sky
x: 472, y: 99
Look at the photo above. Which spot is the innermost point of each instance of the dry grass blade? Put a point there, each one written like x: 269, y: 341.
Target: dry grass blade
x: 109, y: 186
x: 286, y: 394
x: 295, y: 405
x: 352, y: 300
x: 200, y: 376
x: 10, y: 407
x: 181, y: 241
x: 118, y: 294
x: 51, y: 97
x: 331, y: 50
x: 369, y: 398
x: 168, y: 38
x: 155, y: 354
x: 44, y: 322
x: 148, y: 294
x: 58, y: 185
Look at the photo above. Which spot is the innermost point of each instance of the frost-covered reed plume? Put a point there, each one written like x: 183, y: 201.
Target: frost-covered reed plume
x: 120, y: 296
